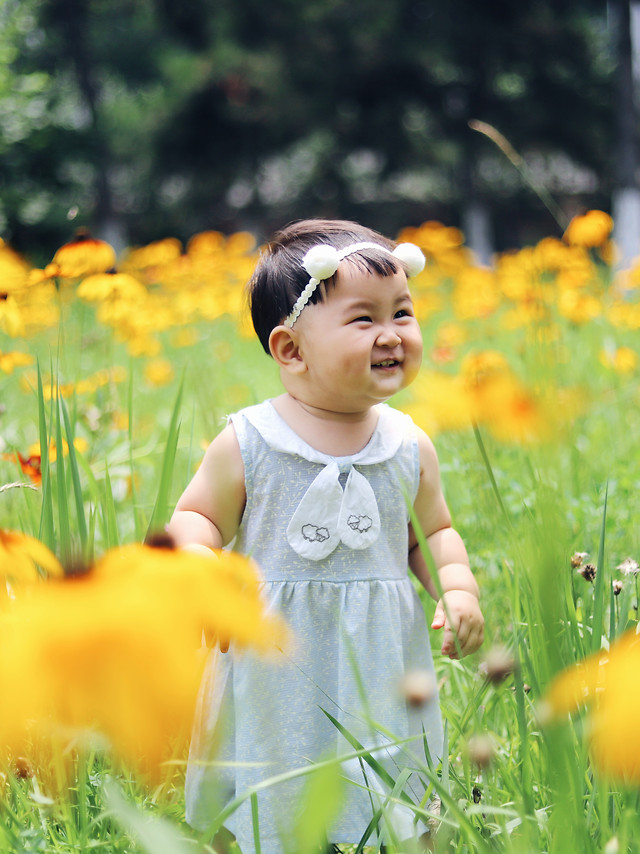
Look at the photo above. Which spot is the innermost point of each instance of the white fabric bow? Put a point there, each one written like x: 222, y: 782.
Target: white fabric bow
x: 329, y: 514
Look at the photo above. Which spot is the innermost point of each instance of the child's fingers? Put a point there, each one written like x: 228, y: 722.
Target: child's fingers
x: 439, y: 617
x: 210, y: 639
x: 470, y: 635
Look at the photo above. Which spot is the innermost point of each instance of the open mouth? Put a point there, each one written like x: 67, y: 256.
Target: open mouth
x: 387, y: 363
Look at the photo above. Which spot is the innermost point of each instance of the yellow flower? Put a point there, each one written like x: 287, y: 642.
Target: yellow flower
x: 606, y: 682
x: 511, y: 411
x: 478, y: 367
x: 439, y: 402
x: 79, y: 443
x: 158, y: 372
x: 147, y: 259
x: 578, y: 307
x: 11, y: 319
x: 624, y: 360
x: 14, y: 359
x: 500, y: 400
x: 591, y: 229
x: 113, y: 650
x: 14, y: 271
x: 105, y: 286
x: 83, y: 256
x: 476, y: 293
x: 21, y: 555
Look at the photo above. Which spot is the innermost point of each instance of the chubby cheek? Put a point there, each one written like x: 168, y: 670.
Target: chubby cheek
x: 413, y: 354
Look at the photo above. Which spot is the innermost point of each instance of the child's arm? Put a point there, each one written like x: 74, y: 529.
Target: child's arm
x: 208, y: 512
x: 462, y: 616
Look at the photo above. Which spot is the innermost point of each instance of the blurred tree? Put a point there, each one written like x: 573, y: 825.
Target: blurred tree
x: 150, y: 117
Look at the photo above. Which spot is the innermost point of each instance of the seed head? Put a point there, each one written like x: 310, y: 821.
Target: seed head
x: 629, y: 566
x: 612, y: 846
x: 617, y: 587
x: 498, y: 664
x: 587, y: 571
x: 481, y: 750
x: 418, y: 687
x: 23, y: 768
x: 577, y: 558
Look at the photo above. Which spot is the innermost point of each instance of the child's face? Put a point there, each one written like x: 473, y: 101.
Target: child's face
x: 362, y: 343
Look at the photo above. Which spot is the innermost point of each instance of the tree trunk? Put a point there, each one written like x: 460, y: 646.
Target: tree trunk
x: 626, y: 195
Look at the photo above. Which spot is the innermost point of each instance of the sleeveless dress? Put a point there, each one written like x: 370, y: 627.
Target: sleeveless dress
x: 330, y: 535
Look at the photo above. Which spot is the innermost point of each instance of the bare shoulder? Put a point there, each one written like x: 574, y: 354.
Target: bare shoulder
x: 225, y: 443
x: 427, y: 453
x: 217, y: 489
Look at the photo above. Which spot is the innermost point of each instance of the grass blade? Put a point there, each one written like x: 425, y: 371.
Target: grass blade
x: 47, y: 531
x: 61, y: 483
x: 159, y: 515
x: 75, y: 479
x: 598, y: 591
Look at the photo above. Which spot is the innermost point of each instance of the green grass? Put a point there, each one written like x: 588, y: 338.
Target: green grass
x: 522, y: 510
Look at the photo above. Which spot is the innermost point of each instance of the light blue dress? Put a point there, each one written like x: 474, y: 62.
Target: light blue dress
x: 358, y: 626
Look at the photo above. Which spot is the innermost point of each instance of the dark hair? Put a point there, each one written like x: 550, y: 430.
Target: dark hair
x: 280, y: 278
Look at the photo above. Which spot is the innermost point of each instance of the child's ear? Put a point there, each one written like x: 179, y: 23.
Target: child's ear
x: 285, y: 349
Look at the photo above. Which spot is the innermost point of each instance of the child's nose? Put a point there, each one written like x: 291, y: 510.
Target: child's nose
x: 388, y: 337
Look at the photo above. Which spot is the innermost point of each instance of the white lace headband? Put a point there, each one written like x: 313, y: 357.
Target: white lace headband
x: 321, y: 262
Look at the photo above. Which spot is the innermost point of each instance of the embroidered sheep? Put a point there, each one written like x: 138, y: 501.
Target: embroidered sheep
x: 314, y: 534
x: 359, y: 523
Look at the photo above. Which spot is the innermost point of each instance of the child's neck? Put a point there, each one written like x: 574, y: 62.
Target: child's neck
x: 339, y: 434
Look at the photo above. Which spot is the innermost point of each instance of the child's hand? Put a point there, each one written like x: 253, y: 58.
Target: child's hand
x: 462, y: 618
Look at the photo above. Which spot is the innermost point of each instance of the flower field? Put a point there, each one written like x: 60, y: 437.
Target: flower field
x: 114, y: 376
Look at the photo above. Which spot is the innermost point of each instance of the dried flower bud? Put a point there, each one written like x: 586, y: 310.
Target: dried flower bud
x: 629, y: 566
x: 498, y: 664
x: 577, y: 559
x: 476, y: 794
x: 418, y: 687
x: 23, y: 768
x: 617, y: 587
x: 481, y: 750
x: 588, y: 571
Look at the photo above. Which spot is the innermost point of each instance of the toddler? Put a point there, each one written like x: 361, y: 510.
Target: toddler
x: 315, y: 485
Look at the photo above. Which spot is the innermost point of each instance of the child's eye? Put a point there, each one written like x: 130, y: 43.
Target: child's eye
x: 364, y: 318
x: 404, y: 312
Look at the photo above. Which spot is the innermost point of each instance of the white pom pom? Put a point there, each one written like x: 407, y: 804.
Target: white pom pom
x: 321, y: 261
x: 411, y: 256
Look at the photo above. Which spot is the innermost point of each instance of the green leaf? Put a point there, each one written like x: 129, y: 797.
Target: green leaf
x: 320, y: 804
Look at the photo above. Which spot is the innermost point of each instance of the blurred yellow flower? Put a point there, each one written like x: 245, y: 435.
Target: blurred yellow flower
x: 83, y: 256
x: 11, y: 319
x: 624, y: 360
x: 21, y: 555
x: 439, y: 402
x: 14, y: 359
x: 114, y: 650
x: 147, y: 259
x: 608, y: 683
x: 591, y: 229
x: 624, y: 315
x: 14, y: 270
x: 159, y: 372
x: 500, y: 400
x: 111, y: 286
x: 476, y: 293
x: 79, y: 443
